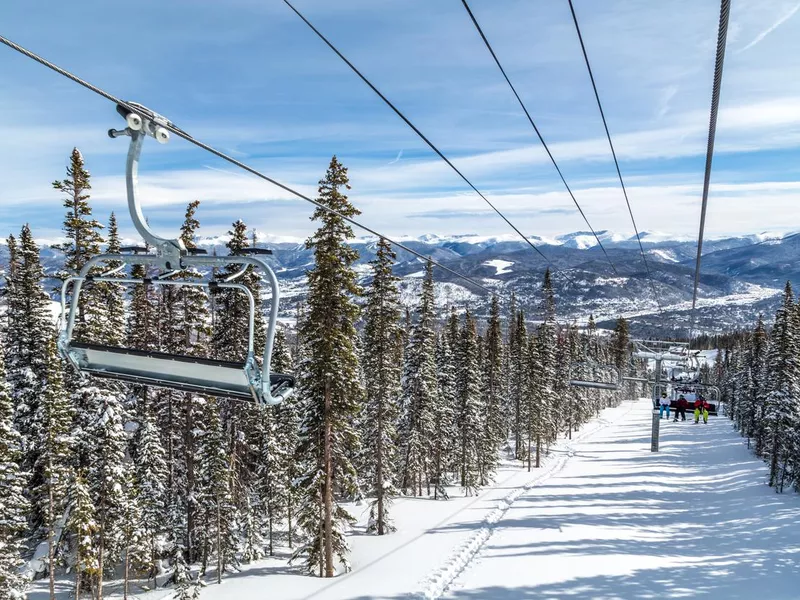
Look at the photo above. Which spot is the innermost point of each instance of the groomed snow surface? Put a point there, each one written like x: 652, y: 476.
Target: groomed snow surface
x: 603, y: 519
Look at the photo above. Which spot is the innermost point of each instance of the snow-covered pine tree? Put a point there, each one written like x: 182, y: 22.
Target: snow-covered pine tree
x: 418, y: 391
x: 470, y: 410
x: 545, y: 400
x: 573, y: 415
x: 185, y: 330
x: 275, y: 441
x: 82, y: 525
x: 492, y: 371
x: 151, y: 475
x: 444, y: 430
x: 750, y: 416
x: 287, y: 425
x: 620, y: 352
x: 519, y: 382
x: 216, y: 508
x: 106, y: 478
x: 783, y: 384
x: 132, y: 536
x: 12, y: 311
x: 329, y: 387
x: 13, y: 504
x: 81, y: 230
x: 231, y: 321
x: 53, y: 465
x: 105, y: 310
x: 30, y: 328
x: 562, y: 391
x: 382, y: 336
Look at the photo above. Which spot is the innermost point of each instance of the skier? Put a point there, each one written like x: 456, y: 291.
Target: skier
x: 663, y: 406
x: 701, y: 407
x: 680, y: 411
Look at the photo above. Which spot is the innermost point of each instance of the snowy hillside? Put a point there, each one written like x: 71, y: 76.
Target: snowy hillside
x: 604, y: 518
x: 742, y: 276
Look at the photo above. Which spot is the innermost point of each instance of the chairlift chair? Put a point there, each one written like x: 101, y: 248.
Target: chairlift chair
x: 244, y: 380
x: 613, y: 385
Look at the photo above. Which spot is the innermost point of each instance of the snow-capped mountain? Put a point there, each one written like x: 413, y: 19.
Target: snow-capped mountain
x: 742, y: 276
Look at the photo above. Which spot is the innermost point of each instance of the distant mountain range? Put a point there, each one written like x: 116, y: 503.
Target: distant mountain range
x: 741, y: 276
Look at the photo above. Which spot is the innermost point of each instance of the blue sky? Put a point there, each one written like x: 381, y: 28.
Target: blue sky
x: 248, y: 77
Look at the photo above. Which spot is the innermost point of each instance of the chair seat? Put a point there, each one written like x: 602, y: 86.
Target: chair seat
x: 174, y: 371
x: 600, y: 385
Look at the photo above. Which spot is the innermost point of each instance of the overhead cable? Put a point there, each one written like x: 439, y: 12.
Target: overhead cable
x: 538, y: 133
x: 422, y: 136
x: 182, y: 134
x: 614, y: 155
x: 724, y: 16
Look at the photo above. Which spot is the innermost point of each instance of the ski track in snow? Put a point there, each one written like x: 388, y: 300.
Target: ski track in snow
x: 438, y: 583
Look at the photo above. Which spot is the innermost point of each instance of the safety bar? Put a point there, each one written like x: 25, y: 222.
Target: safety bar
x: 187, y: 261
x: 615, y: 384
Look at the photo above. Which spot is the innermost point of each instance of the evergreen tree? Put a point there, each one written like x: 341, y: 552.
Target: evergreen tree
x: 107, y: 480
x: 53, y: 460
x: 287, y: 425
x: 216, y: 504
x: 329, y: 386
x: 444, y: 431
x: 27, y: 337
x: 13, y: 504
x: 382, y: 334
x: 494, y: 433
x: 783, y: 387
x: 82, y: 231
x: 419, y: 390
x: 233, y: 309
x: 104, y: 318
x: 151, y: 474
x: 519, y: 380
x: 83, y: 526
x: 470, y: 411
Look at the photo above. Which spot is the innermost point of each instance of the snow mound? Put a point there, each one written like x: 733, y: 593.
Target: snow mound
x: 665, y: 255
x: 501, y: 266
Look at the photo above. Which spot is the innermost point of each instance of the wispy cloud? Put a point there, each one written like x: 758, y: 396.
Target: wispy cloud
x: 772, y: 27
x: 397, y: 158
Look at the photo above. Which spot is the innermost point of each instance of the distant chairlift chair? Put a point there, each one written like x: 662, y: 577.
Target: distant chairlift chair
x: 233, y: 379
x: 613, y: 385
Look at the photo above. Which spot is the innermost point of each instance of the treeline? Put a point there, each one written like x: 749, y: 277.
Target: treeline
x: 759, y: 374
x: 106, y: 479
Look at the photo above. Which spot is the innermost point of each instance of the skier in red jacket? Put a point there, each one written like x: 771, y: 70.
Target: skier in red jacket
x: 680, y: 411
x: 701, y: 406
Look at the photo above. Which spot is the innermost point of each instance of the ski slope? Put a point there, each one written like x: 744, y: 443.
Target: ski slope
x: 604, y: 518
x: 694, y: 520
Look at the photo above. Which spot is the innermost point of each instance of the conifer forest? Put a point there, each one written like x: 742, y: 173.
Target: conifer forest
x: 101, y: 479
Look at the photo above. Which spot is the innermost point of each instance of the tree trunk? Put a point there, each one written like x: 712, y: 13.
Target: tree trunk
x: 269, y: 519
x: 100, y: 550
x: 379, y: 464
x: 77, y: 577
x: 190, y: 505
x: 517, y: 432
x: 219, y: 541
x: 51, y: 533
x: 125, y: 576
x: 289, y: 515
x: 773, y: 467
x: 538, y: 451
x: 530, y: 447
x: 328, y: 495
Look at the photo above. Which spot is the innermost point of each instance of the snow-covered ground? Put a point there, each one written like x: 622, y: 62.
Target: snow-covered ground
x: 604, y: 518
x: 694, y: 520
x: 501, y: 266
